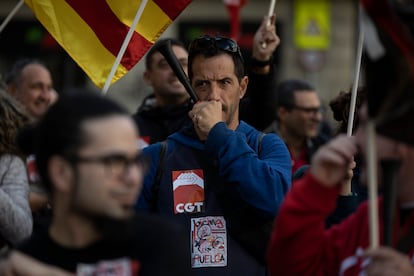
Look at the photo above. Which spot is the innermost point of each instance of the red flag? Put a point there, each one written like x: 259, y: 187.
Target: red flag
x: 233, y: 8
x: 390, y: 76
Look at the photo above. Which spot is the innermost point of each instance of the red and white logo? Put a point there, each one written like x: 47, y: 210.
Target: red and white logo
x: 32, y: 169
x: 188, y: 190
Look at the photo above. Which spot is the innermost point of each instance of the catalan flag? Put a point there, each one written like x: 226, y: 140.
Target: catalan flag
x: 92, y: 31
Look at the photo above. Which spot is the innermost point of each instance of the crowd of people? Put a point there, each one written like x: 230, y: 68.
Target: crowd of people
x: 249, y: 180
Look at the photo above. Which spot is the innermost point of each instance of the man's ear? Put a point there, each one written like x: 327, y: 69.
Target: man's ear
x: 147, y: 77
x: 60, y: 173
x: 243, y: 86
x: 11, y: 89
x: 281, y: 112
x: 402, y: 150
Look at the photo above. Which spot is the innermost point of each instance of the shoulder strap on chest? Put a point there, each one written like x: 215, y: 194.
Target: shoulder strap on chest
x: 161, y: 163
x: 259, y: 143
x: 157, y: 180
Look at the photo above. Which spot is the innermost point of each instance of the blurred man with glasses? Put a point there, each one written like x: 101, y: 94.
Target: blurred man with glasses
x: 298, y: 120
x: 219, y: 176
x: 87, y: 157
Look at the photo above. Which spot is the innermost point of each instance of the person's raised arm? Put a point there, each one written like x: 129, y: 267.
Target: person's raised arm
x: 304, y: 211
x: 262, y: 57
x: 258, y: 106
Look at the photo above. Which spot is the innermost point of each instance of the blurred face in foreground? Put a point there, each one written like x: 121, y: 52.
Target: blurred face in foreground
x: 108, y: 171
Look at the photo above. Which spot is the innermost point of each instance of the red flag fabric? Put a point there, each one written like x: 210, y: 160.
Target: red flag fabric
x: 233, y: 9
x: 390, y: 76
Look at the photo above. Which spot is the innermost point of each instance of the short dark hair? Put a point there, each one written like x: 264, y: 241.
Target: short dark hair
x: 15, y: 72
x: 212, y: 50
x: 60, y: 131
x: 156, y: 48
x: 285, y: 92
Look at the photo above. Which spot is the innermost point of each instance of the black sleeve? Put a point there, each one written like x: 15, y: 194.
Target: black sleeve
x: 258, y: 107
x: 345, y: 205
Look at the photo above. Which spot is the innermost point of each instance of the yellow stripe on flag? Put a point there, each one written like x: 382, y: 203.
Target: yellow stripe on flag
x: 77, y: 38
x: 152, y: 23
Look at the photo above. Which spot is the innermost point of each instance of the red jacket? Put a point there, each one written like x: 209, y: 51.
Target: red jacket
x: 300, y: 243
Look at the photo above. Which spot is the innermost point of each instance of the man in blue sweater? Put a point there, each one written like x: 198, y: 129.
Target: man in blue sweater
x: 219, y: 176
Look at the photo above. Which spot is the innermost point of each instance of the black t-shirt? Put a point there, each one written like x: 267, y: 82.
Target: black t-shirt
x: 150, y: 245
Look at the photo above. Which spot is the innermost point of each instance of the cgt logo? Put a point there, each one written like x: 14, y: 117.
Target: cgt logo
x: 195, y: 207
x: 188, y: 189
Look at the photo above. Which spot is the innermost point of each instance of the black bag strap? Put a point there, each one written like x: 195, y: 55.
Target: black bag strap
x: 161, y: 163
x: 259, y: 143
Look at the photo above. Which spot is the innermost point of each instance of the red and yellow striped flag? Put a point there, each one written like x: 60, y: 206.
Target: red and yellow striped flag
x: 92, y: 31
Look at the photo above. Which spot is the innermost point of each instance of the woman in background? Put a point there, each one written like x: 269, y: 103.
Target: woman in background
x: 16, y: 221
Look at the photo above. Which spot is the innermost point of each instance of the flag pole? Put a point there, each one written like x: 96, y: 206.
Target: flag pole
x: 124, y: 46
x: 351, y: 113
x: 270, y: 12
x: 372, y: 170
x: 372, y: 185
x: 11, y: 14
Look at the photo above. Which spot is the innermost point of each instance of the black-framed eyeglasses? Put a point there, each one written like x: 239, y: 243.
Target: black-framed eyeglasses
x: 115, y: 163
x: 313, y: 110
x: 220, y: 42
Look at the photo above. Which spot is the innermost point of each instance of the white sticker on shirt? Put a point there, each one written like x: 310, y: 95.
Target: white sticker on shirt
x: 118, y: 267
x: 208, y: 242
